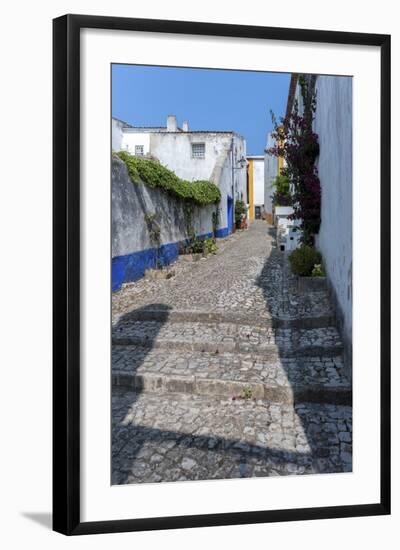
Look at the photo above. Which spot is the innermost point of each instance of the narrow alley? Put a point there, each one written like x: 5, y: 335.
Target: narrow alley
x: 226, y: 370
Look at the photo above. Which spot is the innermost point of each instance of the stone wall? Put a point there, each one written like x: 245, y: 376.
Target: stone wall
x: 132, y: 249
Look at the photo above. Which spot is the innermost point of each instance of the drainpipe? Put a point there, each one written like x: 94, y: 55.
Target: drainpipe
x: 233, y: 185
x: 233, y: 170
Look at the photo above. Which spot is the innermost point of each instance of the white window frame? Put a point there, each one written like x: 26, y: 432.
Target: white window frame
x: 202, y: 153
x: 141, y: 149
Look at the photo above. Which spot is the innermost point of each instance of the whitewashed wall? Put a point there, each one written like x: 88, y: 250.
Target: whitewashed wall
x: 174, y: 150
x: 132, y: 249
x: 220, y: 164
x: 116, y: 134
x: 131, y: 139
x: 258, y: 179
x: 333, y: 124
x: 132, y: 201
x: 240, y: 173
x: 270, y: 173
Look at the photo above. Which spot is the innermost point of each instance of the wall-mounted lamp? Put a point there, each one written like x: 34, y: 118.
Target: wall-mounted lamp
x: 242, y: 164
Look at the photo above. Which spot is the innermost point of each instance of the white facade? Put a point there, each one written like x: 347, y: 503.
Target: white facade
x: 333, y: 124
x: 270, y: 173
x: 258, y: 180
x: 132, y: 140
x: 117, y: 134
x: 199, y: 155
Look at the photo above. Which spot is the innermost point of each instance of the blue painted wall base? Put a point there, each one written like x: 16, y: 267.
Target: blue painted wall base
x: 131, y: 267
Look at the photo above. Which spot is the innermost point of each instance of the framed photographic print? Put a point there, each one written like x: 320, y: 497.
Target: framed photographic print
x: 221, y: 274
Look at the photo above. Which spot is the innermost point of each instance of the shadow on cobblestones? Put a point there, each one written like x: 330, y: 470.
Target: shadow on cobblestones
x: 329, y: 442
x: 213, y: 328
x: 156, y: 455
x: 118, y: 406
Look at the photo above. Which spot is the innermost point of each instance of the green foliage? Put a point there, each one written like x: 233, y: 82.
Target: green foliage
x: 240, y: 211
x: 297, y: 143
x: 204, y: 192
x: 281, y: 184
x: 200, y: 246
x: 196, y: 246
x: 318, y: 271
x: 247, y: 392
x: 281, y: 195
x: 154, y: 174
x: 303, y: 259
x: 210, y: 245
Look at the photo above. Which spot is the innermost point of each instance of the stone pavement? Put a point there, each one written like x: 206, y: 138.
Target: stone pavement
x: 226, y: 370
x: 170, y: 437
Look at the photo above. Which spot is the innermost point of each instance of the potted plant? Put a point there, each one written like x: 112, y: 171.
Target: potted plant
x: 306, y: 263
x: 240, y: 214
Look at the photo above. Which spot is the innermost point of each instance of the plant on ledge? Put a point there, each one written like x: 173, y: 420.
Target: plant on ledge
x: 303, y: 261
x: 318, y: 271
x: 200, y: 246
x: 281, y: 195
x: 298, y: 145
x: 240, y: 213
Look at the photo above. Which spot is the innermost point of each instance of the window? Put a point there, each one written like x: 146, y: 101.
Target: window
x: 139, y: 150
x: 198, y: 150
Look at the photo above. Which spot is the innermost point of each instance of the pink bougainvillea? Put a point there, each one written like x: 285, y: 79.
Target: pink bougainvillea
x: 298, y: 145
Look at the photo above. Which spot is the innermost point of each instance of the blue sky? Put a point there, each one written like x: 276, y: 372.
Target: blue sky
x: 209, y: 99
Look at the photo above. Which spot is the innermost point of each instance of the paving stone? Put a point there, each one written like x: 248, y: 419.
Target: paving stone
x: 250, y: 279
x: 227, y: 371
x: 226, y: 449
x: 275, y: 378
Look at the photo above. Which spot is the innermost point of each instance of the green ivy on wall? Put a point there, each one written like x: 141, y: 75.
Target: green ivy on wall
x: 154, y: 174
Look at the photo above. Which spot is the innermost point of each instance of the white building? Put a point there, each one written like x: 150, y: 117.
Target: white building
x: 333, y: 124
x: 255, y: 183
x: 217, y: 156
x: 271, y: 170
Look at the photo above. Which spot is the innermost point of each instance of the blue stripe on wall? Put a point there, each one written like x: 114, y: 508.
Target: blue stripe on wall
x: 131, y: 267
x: 224, y: 232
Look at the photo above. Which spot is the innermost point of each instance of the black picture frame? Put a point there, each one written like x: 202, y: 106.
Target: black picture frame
x: 66, y: 273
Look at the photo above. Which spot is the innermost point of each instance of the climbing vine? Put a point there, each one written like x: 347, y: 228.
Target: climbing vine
x: 215, y: 220
x: 154, y: 230
x: 188, y: 210
x: 297, y: 143
x: 154, y: 174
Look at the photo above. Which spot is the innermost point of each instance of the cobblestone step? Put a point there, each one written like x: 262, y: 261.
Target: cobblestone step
x: 282, y: 380
x: 205, y: 315
x: 229, y: 337
x: 176, y: 437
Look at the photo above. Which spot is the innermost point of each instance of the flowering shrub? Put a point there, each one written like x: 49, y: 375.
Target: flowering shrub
x: 298, y: 145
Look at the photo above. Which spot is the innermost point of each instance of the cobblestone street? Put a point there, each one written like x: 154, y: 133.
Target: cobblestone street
x: 227, y: 370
